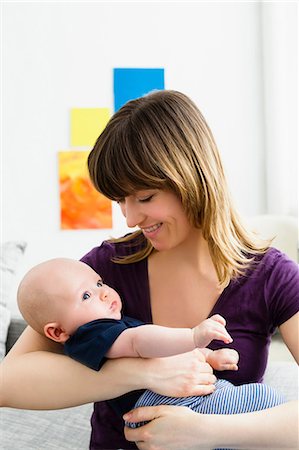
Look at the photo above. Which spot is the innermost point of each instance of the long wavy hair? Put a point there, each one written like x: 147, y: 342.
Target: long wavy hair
x: 162, y: 141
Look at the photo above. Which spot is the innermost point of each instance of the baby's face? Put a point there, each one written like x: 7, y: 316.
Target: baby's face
x: 85, y: 297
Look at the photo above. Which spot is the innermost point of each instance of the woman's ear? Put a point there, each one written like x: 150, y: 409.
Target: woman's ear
x: 55, y: 332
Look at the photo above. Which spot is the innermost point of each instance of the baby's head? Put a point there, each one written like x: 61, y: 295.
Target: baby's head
x: 59, y: 295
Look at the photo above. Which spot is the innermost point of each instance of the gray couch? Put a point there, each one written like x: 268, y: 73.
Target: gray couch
x: 43, y: 430
x: 70, y: 428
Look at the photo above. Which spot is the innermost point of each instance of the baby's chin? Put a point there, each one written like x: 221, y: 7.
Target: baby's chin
x: 116, y: 315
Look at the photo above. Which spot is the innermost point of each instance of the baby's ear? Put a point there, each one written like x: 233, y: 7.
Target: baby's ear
x: 55, y: 332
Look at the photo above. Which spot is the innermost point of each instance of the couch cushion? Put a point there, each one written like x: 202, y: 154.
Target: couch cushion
x: 16, y: 327
x: 45, y: 430
x: 70, y: 428
x: 283, y: 376
x: 10, y: 256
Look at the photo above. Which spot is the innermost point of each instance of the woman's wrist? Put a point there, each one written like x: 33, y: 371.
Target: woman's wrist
x: 155, y: 374
x: 127, y: 374
x: 276, y: 427
x: 144, y: 373
x: 152, y: 374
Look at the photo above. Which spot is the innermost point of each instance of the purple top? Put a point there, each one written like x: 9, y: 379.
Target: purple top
x: 253, y: 306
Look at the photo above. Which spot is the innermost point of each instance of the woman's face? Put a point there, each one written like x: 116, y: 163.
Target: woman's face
x: 160, y: 216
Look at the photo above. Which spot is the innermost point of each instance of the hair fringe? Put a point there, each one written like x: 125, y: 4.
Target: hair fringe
x: 176, y: 151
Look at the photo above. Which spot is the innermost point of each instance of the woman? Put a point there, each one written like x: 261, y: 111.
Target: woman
x: 190, y: 258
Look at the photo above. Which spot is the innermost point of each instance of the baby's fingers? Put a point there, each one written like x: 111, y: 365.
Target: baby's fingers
x: 223, y: 335
x: 219, y: 319
x: 229, y: 367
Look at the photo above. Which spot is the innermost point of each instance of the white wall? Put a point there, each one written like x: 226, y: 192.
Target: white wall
x: 57, y: 56
x: 280, y: 74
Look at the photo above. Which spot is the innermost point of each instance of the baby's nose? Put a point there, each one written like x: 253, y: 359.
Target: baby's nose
x: 103, y: 295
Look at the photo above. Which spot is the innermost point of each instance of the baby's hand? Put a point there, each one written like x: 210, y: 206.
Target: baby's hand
x: 209, y: 329
x: 223, y: 359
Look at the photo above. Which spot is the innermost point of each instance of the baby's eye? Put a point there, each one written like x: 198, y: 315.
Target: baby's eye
x: 100, y: 283
x: 86, y: 296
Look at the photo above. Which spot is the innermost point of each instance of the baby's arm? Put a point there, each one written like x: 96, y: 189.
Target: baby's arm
x: 154, y: 341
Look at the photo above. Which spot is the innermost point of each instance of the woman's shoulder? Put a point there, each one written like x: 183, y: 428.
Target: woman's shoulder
x: 114, y: 248
x: 99, y: 254
x: 269, y: 272
x: 278, y: 277
x: 105, y: 259
x: 274, y: 260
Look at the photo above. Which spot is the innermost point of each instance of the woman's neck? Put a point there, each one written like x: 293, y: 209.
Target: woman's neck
x: 193, y: 252
x: 183, y: 283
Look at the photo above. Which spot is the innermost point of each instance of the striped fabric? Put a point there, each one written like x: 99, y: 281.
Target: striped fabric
x: 226, y: 399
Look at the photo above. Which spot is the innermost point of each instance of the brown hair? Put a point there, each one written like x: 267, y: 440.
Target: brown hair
x: 162, y: 141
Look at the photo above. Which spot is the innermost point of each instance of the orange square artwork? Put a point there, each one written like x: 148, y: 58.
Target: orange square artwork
x: 81, y: 206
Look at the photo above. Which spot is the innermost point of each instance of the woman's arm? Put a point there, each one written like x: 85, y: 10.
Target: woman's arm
x: 35, y: 375
x: 272, y: 428
x: 289, y: 332
x: 177, y: 428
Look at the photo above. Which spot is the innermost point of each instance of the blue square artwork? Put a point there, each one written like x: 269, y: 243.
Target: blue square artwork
x: 133, y: 83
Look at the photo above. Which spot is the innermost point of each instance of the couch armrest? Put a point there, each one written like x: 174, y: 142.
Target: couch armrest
x: 16, y: 328
x: 283, y: 376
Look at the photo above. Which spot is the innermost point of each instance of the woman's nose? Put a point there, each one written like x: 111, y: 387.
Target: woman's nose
x: 131, y: 211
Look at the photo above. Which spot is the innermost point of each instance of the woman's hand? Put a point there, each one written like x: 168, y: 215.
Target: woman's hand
x: 179, y: 428
x: 181, y: 375
x: 173, y: 428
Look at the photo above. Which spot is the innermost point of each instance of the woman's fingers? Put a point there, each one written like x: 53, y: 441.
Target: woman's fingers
x: 202, y: 389
x: 164, y: 430
x: 182, y: 375
x: 142, y: 414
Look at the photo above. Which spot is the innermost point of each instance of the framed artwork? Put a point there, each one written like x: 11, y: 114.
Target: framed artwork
x: 81, y: 206
x: 87, y: 124
x: 132, y: 83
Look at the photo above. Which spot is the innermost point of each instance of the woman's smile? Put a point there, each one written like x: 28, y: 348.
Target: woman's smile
x: 152, y: 230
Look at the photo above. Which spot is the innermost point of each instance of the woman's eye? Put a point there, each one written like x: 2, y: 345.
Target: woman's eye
x: 146, y: 199
x: 100, y: 283
x: 86, y: 296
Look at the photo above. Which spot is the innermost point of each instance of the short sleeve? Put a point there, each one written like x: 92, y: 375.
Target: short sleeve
x: 100, y: 258
x: 282, y: 289
x: 90, y: 343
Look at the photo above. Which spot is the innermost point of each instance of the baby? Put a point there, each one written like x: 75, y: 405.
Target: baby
x: 67, y: 301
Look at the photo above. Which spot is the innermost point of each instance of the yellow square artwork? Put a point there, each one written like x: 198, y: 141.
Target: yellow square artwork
x: 87, y: 124
x: 81, y: 206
